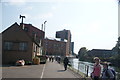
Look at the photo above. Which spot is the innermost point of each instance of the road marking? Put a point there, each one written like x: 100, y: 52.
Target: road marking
x: 42, y: 72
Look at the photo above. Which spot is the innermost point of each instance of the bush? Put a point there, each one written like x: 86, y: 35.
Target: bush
x: 28, y: 62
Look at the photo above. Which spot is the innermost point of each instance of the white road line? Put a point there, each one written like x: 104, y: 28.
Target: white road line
x: 42, y: 72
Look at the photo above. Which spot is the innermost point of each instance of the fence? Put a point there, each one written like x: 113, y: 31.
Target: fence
x: 81, y: 67
x: 86, y: 68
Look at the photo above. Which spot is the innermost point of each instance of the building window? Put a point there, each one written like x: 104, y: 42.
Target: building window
x: 40, y: 43
x: 8, y: 45
x: 22, y: 46
x: 35, y: 48
x: 26, y: 29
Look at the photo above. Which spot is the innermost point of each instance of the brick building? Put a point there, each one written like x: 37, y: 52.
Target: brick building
x: 17, y: 43
x: 54, y: 47
x: 65, y: 35
x: 36, y: 34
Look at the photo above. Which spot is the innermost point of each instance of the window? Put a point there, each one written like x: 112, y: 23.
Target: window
x: 33, y: 33
x: 40, y: 42
x: 8, y: 45
x: 26, y: 29
x: 35, y: 48
x: 22, y: 46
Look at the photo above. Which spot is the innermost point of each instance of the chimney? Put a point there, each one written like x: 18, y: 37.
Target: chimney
x: 42, y: 27
x: 22, y: 25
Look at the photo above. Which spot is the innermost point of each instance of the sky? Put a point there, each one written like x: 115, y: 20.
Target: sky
x: 93, y: 23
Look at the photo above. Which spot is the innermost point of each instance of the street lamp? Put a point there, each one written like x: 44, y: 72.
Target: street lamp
x: 44, y: 25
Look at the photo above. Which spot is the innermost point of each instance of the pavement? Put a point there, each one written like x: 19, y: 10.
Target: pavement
x: 31, y: 71
x: 50, y: 70
x: 55, y: 70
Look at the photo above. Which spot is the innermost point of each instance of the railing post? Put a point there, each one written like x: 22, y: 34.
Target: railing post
x: 78, y: 66
x: 72, y: 64
x: 87, y: 70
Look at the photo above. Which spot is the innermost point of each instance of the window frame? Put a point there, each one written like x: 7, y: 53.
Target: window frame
x: 23, y: 46
x: 8, y: 45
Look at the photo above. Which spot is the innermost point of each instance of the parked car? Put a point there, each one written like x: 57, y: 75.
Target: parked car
x: 43, y: 59
x: 20, y: 63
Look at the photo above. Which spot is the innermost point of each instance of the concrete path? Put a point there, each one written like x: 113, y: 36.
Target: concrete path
x: 55, y: 70
x: 48, y: 71
x: 31, y: 71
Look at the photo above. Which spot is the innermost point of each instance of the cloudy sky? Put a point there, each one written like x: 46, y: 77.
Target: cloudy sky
x: 93, y: 23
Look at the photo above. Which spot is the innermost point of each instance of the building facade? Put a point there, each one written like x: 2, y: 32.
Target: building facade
x: 72, y: 48
x: 36, y: 34
x: 54, y: 47
x: 18, y: 44
x: 65, y: 35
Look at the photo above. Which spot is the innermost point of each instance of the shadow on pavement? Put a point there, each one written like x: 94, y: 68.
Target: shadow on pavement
x: 60, y: 70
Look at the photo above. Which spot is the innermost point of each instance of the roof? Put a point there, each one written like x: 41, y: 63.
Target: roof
x: 30, y: 25
x: 15, y: 24
x: 100, y: 50
x: 55, y: 40
x: 10, y: 27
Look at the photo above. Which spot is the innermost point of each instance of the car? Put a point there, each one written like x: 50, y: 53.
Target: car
x: 20, y: 62
x: 43, y: 59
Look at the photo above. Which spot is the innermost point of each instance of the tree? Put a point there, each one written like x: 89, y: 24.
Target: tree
x: 82, y: 53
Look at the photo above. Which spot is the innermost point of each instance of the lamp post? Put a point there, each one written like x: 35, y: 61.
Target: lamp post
x: 44, y: 25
